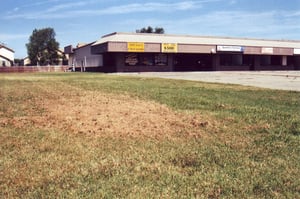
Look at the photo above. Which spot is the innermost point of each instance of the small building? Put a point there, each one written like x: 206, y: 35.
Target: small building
x: 26, y: 61
x: 60, y: 61
x: 6, y: 56
x: 141, y: 52
x: 82, y: 59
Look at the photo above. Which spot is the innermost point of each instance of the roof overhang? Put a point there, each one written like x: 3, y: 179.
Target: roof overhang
x: 121, y: 42
x: 188, y: 39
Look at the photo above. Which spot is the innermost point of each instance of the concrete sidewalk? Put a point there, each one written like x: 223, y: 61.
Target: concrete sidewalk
x: 282, y: 80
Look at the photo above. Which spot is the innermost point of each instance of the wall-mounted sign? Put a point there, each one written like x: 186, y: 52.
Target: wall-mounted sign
x: 230, y: 48
x: 135, y: 47
x: 297, y: 51
x: 169, y: 48
x: 267, y: 50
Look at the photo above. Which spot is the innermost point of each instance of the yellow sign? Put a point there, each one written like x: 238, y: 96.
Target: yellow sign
x: 169, y: 48
x: 135, y: 47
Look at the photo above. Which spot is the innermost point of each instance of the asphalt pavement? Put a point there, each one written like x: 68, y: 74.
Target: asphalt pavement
x: 281, y: 80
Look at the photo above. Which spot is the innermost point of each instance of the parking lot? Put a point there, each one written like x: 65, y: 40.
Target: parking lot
x: 282, y: 80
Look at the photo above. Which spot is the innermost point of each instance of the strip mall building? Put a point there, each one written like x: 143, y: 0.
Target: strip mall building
x: 138, y: 52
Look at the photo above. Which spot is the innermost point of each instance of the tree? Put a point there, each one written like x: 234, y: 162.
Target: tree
x: 18, y: 62
x: 149, y: 29
x: 42, y: 47
x: 159, y: 30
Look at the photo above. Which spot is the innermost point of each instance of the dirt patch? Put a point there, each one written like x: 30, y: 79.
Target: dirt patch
x: 102, y: 114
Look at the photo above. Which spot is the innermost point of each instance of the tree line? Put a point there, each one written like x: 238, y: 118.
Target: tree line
x: 149, y: 29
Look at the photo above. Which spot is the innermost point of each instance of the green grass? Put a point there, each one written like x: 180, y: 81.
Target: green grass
x: 251, y: 149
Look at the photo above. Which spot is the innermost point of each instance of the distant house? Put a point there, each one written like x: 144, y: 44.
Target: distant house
x: 27, y: 62
x: 6, y: 56
x: 82, y: 59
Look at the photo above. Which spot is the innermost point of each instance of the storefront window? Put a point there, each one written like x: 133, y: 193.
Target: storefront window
x: 135, y: 59
x: 276, y: 60
x: 290, y: 60
x: 231, y: 59
x: 131, y: 59
x: 146, y: 59
x: 226, y: 60
x: 161, y: 59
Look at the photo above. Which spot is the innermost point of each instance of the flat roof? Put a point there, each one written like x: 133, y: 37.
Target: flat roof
x: 189, y: 39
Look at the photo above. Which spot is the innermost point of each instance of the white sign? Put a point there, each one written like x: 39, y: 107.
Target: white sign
x: 230, y: 48
x: 267, y: 50
x: 297, y: 51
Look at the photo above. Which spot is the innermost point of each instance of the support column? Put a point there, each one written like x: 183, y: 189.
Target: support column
x: 256, y: 62
x: 284, y: 60
x: 171, y: 62
x: 119, y: 62
x: 216, y: 62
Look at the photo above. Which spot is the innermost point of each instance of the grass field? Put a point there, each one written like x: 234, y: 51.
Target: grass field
x: 71, y: 135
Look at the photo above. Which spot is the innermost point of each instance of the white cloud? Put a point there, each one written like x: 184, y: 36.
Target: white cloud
x: 202, y: 21
x: 40, y: 3
x: 66, y: 6
x: 232, y: 2
x: 67, y: 10
x: 8, y: 37
x: 293, y: 14
x: 147, y: 7
x: 269, y: 24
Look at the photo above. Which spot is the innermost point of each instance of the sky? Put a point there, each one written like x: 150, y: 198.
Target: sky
x: 85, y: 21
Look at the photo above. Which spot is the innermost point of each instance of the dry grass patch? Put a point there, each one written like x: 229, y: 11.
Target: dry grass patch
x: 102, y: 114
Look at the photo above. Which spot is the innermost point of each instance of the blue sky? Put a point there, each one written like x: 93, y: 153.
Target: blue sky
x: 79, y: 21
